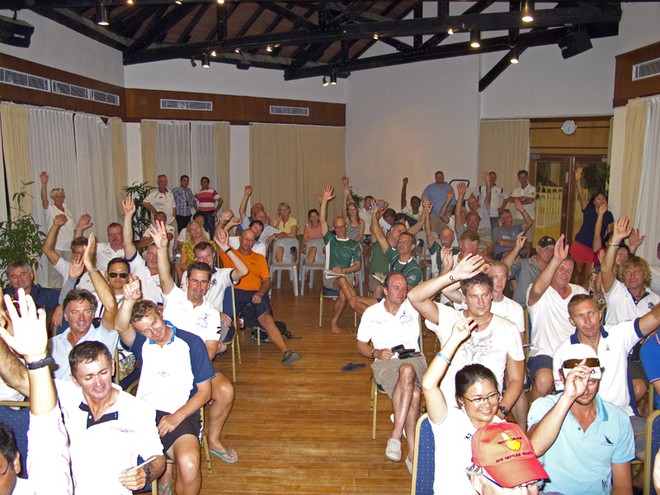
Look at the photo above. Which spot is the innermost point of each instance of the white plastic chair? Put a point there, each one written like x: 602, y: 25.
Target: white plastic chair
x: 311, y: 267
x: 289, y: 262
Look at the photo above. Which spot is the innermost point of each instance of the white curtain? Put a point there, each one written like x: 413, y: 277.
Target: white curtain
x: 203, y: 161
x: 172, y: 151
x: 3, y: 195
x: 94, y: 168
x: 646, y: 218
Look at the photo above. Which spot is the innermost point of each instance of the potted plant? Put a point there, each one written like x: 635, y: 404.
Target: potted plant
x: 20, y: 236
x: 142, y: 216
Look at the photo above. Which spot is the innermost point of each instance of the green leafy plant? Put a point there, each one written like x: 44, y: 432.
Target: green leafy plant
x: 142, y: 216
x: 357, y: 199
x: 20, y: 236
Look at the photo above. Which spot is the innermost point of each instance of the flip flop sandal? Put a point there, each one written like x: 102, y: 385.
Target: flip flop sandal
x: 352, y: 367
x: 225, y: 456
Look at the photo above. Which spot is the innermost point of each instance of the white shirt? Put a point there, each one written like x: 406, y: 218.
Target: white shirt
x: 202, y: 320
x: 549, y: 320
x: 220, y: 281
x: 60, y: 347
x: 621, y: 305
x: 62, y: 267
x: 386, y: 330
x: 150, y: 284
x: 496, y: 198
x: 104, y: 253
x: 162, y: 201
x: 530, y: 192
x: 67, y: 231
x: 510, y: 310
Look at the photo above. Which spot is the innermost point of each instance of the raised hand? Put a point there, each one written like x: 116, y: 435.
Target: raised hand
x: 427, y: 205
x: 450, y: 194
x: 128, y: 204
x: 60, y: 220
x: 635, y: 239
x: 602, y: 209
x: 132, y: 290
x: 447, y: 259
x: 486, y: 177
x: 462, y: 189
x: 221, y: 239
x: 578, y: 174
x: 247, y: 191
x: 90, y: 252
x: 158, y: 234
x: 521, y: 239
x: 561, y: 249
x: 468, y: 267
x: 76, y: 267
x: 328, y: 193
x: 43, y: 176
x: 577, y: 380
x: 29, y: 337
x: 344, y: 180
x: 463, y: 329
x: 84, y: 222
x: 226, y: 216
x: 622, y: 229
x: 518, y: 205
x: 405, y: 181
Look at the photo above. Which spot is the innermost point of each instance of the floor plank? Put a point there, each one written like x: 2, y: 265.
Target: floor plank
x: 305, y: 428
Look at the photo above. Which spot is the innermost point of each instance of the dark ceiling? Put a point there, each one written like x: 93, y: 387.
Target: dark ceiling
x: 323, y: 38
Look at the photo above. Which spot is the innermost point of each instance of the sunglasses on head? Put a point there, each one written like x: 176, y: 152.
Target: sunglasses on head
x: 590, y: 362
x: 116, y: 274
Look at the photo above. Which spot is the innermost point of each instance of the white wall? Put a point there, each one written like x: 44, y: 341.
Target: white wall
x: 56, y: 46
x: 412, y: 120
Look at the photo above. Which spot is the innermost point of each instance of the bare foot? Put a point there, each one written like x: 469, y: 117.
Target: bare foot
x: 222, y: 347
x: 336, y: 329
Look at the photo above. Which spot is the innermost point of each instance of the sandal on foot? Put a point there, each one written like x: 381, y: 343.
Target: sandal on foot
x: 289, y: 357
x: 165, y: 490
x: 230, y: 456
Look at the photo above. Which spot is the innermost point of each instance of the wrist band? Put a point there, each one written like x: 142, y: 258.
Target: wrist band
x: 443, y: 357
x: 42, y: 363
x: 95, y: 270
x: 227, y: 250
x: 147, y: 472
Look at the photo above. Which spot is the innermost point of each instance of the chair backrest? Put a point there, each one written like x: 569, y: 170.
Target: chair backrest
x: 424, y: 458
x: 16, y: 415
x: 652, y: 445
x: 289, y: 258
x: 319, y: 260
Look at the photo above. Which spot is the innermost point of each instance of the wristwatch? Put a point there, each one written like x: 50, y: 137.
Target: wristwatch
x: 42, y: 363
x: 504, y: 411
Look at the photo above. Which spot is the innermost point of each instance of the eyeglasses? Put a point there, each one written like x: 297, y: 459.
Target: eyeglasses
x: 590, y: 363
x: 339, y: 227
x: 478, y: 401
x: 118, y: 274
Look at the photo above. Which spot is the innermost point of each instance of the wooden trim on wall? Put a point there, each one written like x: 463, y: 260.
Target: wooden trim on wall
x: 18, y: 94
x: 624, y: 87
x: 591, y: 137
x: 238, y: 110
x: 138, y: 104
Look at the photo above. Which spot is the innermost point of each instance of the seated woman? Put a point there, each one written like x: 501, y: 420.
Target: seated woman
x: 312, y: 231
x: 354, y: 224
x: 287, y: 225
x: 195, y: 234
x: 478, y: 398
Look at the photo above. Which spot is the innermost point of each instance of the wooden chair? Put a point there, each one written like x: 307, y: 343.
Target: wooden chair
x: 234, y: 342
x: 423, y: 472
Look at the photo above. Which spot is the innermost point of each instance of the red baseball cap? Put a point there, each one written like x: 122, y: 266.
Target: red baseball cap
x: 506, y: 454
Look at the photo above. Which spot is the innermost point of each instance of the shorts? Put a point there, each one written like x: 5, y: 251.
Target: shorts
x: 386, y: 372
x: 582, y: 253
x: 192, y: 425
x: 329, y: 282
x: 242, y: 299
x: 537, y: 363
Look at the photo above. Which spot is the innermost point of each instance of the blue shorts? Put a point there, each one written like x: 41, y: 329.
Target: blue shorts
x: 537, y: 363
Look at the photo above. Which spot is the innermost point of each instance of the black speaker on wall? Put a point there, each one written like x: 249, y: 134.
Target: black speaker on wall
x: 575, y: 43
x: 15, y: 32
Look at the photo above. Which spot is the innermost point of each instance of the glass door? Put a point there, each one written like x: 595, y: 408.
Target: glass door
x: 557, y: 206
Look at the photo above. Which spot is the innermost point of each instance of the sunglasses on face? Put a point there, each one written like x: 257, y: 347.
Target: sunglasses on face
x: 118, y: 274
x: 590, y: 363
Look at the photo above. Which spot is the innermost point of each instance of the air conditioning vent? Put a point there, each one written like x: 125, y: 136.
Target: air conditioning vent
x: 646, y: 69
x: 16, y: 78
x: 203, y: 106
x: 103, y: 97
x: 299, y: 111
x: 62, y: 88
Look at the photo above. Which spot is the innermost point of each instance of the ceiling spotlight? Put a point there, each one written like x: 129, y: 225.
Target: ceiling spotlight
x: 102, y: 17
x: 192, y: 62
x: 376, y: 36
x: 333, y: 79
x: 213, y: 53
x: 129, y: 2
x: 221, y: 2
x: 205, y: 60
x: 514, y: 55
x: 474, y: 38
x: 324, y: 82
x: 450, y: 31
x: 237, y: 50
x: 178, y: 2
x: 269, y: 48
x: 527, y: 11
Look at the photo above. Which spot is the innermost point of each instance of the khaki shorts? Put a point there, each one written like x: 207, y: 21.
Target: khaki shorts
x: 386, y: 372
x: 329, y: 282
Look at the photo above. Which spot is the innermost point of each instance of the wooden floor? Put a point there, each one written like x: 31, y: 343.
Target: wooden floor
x: 305, y: 428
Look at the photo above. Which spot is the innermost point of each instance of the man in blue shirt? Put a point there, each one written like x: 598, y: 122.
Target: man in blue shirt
x: 584, y: 443
x: 437, y: 193
x: 184, y: 201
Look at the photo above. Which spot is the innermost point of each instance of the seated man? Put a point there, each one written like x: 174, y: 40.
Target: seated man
x: 547, y: 300
x: 387, y: 324
x: 495, y: 343
x: 584, y: 442
x: 114, y: 248
x: 504, y: 236
x: 79, y: 308
x: 175, y: 379
x: 344, y: 258
x: 188, y: 311
x: 253, y: 289
x: 475, y: 220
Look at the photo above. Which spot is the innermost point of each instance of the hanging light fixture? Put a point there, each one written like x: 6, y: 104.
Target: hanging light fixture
x: 475, y: 38
x: 514, y: 55
x: 324, y: 82
x: 206, y: 63
x: 333, y: 79
x: 527, y: 11
x: 450, y: 31
x: 102, y: 16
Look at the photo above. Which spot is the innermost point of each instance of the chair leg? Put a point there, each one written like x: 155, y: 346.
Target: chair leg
x: 374, y: 408
x: 294, y: 280
x: 320, y: 309
x: 233, y: 361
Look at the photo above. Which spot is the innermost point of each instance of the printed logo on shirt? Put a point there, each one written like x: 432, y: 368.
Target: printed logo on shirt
x: 607, y: 441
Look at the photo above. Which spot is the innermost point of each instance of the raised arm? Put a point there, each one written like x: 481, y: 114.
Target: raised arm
x: 51, y: 238
x: 489, y: 187
x: 158, y: 233
x: 528, y: 222
x: 83, y: 223
x: 421, y: 297
x: 459, y: 219
x: 622, y: 229
x: 436, y: 404
x: 582, y: 194
x: 427, y: 207
x: 377, y: 231
x: 444, y: 214
x: 511, y: 256
x: 544, y: 280
x: 101, y: 287
x: 43, y: 177
x: 128, y: 205
x: 12, y: 371
x: 404, y: 186
x: 240, y: 269
x: 597, y: 241
x: 419, y: 224
x: 242, y: 209
x: 328, y: 194
x: 650, y: 321
x: 132, y: 294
